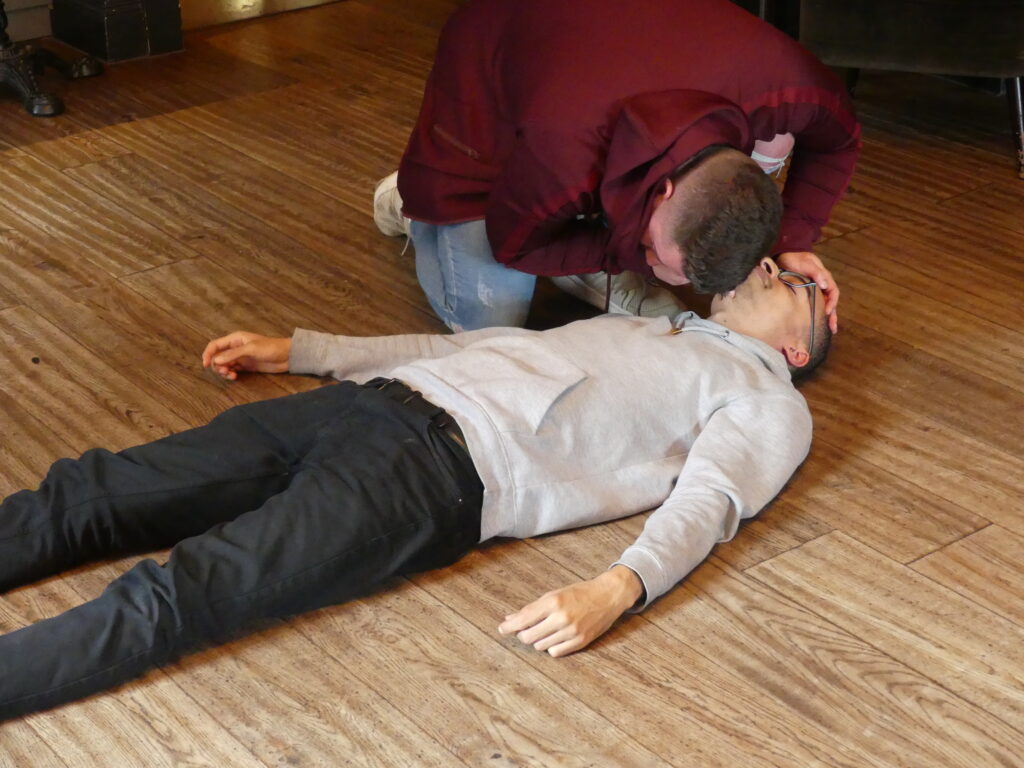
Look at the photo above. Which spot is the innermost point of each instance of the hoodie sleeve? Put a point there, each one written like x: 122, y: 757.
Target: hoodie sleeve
x: 745, y: 454
x: 361, y: 358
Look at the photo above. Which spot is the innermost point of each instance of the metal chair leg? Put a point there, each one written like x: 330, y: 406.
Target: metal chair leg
x: 1015, y: 91
x: 20, y: 63
x: 17, y: 71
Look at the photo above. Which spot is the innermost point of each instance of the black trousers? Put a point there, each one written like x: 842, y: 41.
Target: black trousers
x: 273, y: 508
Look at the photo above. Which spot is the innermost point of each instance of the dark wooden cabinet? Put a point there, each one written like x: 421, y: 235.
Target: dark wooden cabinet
x: 115, y: 30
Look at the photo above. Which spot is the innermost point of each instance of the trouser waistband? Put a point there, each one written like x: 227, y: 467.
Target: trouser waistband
x: 397, y: 390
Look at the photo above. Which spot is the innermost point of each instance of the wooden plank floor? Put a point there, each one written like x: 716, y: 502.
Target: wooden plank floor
x: 870, y: 617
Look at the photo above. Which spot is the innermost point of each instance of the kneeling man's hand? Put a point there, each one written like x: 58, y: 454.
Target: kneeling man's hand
x: 570, y: 618
x: 244, y: 351
x: 809, y: 265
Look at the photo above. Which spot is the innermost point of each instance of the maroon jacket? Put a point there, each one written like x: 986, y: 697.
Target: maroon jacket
x: 544, y: 116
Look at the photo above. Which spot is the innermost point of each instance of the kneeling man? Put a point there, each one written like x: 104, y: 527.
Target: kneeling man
x: 291, y: 504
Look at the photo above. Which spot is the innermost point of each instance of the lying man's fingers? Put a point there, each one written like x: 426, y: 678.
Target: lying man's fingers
x: 556, y: 638
x: 525, y: 617
x: 218, y: 345
x: 548, y: 626
x: 234, y: 355
x: 573, y: 644
x: 570, y: 618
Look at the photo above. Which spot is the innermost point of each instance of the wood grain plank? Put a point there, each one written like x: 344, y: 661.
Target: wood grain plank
x: 74, y: 150
x: 987, y: 567
x: 22, y: 746
x: 779, y: 528
x: 144, y: 88
x: 134, y: 336
x: 932, y: 178
x: 952, y: 466
x: 57, y: 264
x: 940, y: 329
x: 21, y: 129
x: 922, y: 385
x: 253, y: 154
x: 27, y: 447
x: 214, y: 302
x: 38, y: 197
x: 314, y: 220
x: 364, y: 28
x: 936, y: 151
x: 80, y: 399
x: 9, y: 152
x: 356, y: 139
x: 292, y: 704
x: 971, y: 651
x: 483, y: 701
x: 945, y: 272
x: 674, y: 701
x: 934, y: 108
x: 874, y: 706
x: 997, y: 204
x: 322, y: 66
x: 131, y: 334
x: 430, y: 13
x: 321, y: 289
x: 875, y: 506
x: 934, y: 229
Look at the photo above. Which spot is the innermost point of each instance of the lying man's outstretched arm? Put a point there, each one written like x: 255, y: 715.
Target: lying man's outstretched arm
x: 742, y: 458
x: 342, y: 357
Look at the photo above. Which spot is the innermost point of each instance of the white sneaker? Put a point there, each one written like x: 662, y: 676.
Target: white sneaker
x: 631, y: 294
x: 387, y: 207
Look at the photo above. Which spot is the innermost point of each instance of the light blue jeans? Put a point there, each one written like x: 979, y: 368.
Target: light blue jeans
x: 465, y: 286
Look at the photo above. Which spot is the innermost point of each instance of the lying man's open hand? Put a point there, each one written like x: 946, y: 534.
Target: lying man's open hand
x: 244, y: 351
x: 570, y: 618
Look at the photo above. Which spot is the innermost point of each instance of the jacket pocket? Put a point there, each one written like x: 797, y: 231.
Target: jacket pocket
x: 515, y: 379
x: 445, y: 136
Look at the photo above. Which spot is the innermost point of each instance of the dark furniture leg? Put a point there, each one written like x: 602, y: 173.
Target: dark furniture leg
x: 1015, y: 92
x: 19, y: 65
x: 852, y: 78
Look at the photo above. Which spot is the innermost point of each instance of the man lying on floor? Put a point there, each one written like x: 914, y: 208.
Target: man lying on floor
x: 286, y: 505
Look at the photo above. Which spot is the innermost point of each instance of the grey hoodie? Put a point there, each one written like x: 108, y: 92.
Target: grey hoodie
x: 601, y: 419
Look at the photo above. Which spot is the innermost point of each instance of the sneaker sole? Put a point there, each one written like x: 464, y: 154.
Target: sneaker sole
x: 384, y: 223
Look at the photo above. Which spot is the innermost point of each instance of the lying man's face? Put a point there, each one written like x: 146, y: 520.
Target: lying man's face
x: 775, y: 309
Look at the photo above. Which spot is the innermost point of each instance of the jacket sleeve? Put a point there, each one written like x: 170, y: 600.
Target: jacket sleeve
x: 745, y: 454
x: 543, y: 215
x: 827, y: 143
x: 360, y: 358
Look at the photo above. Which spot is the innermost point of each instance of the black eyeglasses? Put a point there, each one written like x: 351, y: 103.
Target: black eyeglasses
x: 796, y: 280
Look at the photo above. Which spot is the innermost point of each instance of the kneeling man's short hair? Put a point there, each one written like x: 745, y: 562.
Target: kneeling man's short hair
x: 728, y: 218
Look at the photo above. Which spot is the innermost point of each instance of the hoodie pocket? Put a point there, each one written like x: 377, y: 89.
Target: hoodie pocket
x: 515, y: 379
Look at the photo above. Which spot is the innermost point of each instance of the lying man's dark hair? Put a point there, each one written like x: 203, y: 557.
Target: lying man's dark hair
x: 728, y: 218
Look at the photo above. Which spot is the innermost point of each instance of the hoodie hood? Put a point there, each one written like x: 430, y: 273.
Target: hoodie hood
x: 773, y: 360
